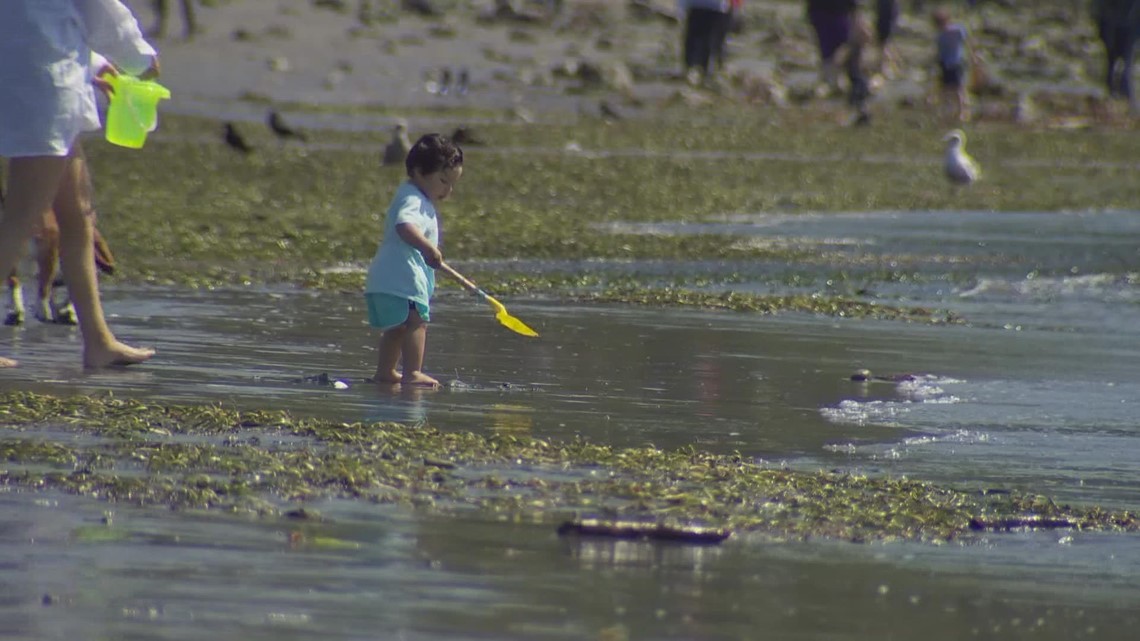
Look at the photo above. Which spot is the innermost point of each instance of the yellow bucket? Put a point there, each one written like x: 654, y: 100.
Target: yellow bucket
x: 133, y: 111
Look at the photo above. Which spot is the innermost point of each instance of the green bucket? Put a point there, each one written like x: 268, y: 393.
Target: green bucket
x: 133, y: 111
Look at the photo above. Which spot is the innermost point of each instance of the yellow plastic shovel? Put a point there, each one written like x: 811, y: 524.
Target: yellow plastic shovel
x: 505, y: 319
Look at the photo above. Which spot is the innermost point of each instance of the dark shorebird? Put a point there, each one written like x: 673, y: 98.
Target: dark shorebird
x: 235, y: 139
x: 464, y: 83
x: 284, y: 131
x: 608, y: 111
x: 464, y: 136
x: 444, y: 81
x: 422, y: 7
x: 397, y: 150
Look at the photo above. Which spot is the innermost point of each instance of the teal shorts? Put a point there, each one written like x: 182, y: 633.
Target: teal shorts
x: 386, y: 311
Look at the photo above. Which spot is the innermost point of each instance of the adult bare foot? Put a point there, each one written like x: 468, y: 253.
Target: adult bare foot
x: 115, y: 355
x: 7, y: 362
x: 386, y: 378
x: 420, y: 379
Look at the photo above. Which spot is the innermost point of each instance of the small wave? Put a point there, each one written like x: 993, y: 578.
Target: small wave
x: 1123, y: 287
x: 921, y: 389
x: 864, y: 412
x: 927, y: 389
x: 896, y: 451
x: 957, y: 436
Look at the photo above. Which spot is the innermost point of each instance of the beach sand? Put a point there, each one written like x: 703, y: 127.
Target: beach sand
x: 297, y: 52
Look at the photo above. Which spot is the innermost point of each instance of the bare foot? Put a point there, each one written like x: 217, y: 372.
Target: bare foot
x: 386, y: 378
x: 115, y: 355
x: 419, y: 379
x: 7, y: 362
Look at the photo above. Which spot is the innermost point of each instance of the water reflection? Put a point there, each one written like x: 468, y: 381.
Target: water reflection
x: 510, y: 419
x: 596, y: 552
x: 397, y: 405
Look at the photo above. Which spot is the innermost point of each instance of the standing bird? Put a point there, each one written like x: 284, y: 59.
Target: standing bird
x: 444, y: 81
x: 608, y: 111
x: 960, y: 168
x: 464, y: 136
x: 397, y: 150
x: 284, y: 131
x: 424, y: 8
x: 235, y: 139
x: 464, y: 83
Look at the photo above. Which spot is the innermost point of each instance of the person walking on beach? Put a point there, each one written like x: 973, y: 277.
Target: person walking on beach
x: 952, y: 44
x: 886, y: 19
x: 48, y: 99
x: 1118, y: 25
x: 162, y: 17
x: 859, y: 86
x: 707, y: 23
x: 401, y: 278
x: 832, y: 21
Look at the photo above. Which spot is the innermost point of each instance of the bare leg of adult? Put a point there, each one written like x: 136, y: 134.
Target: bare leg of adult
x: 47, y: 261
x: 190, y: 22
x: 77, y: 257
x: 32, y: 183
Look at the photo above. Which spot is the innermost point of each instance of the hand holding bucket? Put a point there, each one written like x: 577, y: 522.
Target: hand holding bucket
x: 134, y: 109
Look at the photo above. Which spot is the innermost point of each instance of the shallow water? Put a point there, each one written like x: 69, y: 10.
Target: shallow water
x: 1039, y: 391
x: 197, y: 576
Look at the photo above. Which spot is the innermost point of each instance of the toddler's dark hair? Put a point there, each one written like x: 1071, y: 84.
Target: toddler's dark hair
x: 432, y: 153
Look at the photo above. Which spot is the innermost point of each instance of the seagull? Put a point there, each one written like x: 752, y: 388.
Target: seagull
x: 397, y: 150
x: 277, y: 124
x: 235, y: 140
x: 961, y: 169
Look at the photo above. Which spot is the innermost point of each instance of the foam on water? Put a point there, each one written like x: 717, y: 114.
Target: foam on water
x: 1108, y: 288
x: 911, y: 391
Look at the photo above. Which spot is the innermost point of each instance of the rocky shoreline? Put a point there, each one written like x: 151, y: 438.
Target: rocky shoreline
x: 533, y: 61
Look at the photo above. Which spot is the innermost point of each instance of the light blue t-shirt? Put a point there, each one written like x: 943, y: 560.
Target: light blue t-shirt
x: 398, y: 268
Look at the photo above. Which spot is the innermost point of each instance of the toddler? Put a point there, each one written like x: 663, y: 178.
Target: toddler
x: 401, y: 278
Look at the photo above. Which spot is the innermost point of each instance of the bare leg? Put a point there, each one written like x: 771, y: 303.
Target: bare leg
x: 161, y: 11
x: 15, y: 292
x: 15, y: 301
x: 948, y: 107
x: 33, y: 182
x: 77, y: 256
x: 47, y: 260
x: 190, y: 23
x: 963, y: 104
x: 391, y: 344
x: 415, y: 339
